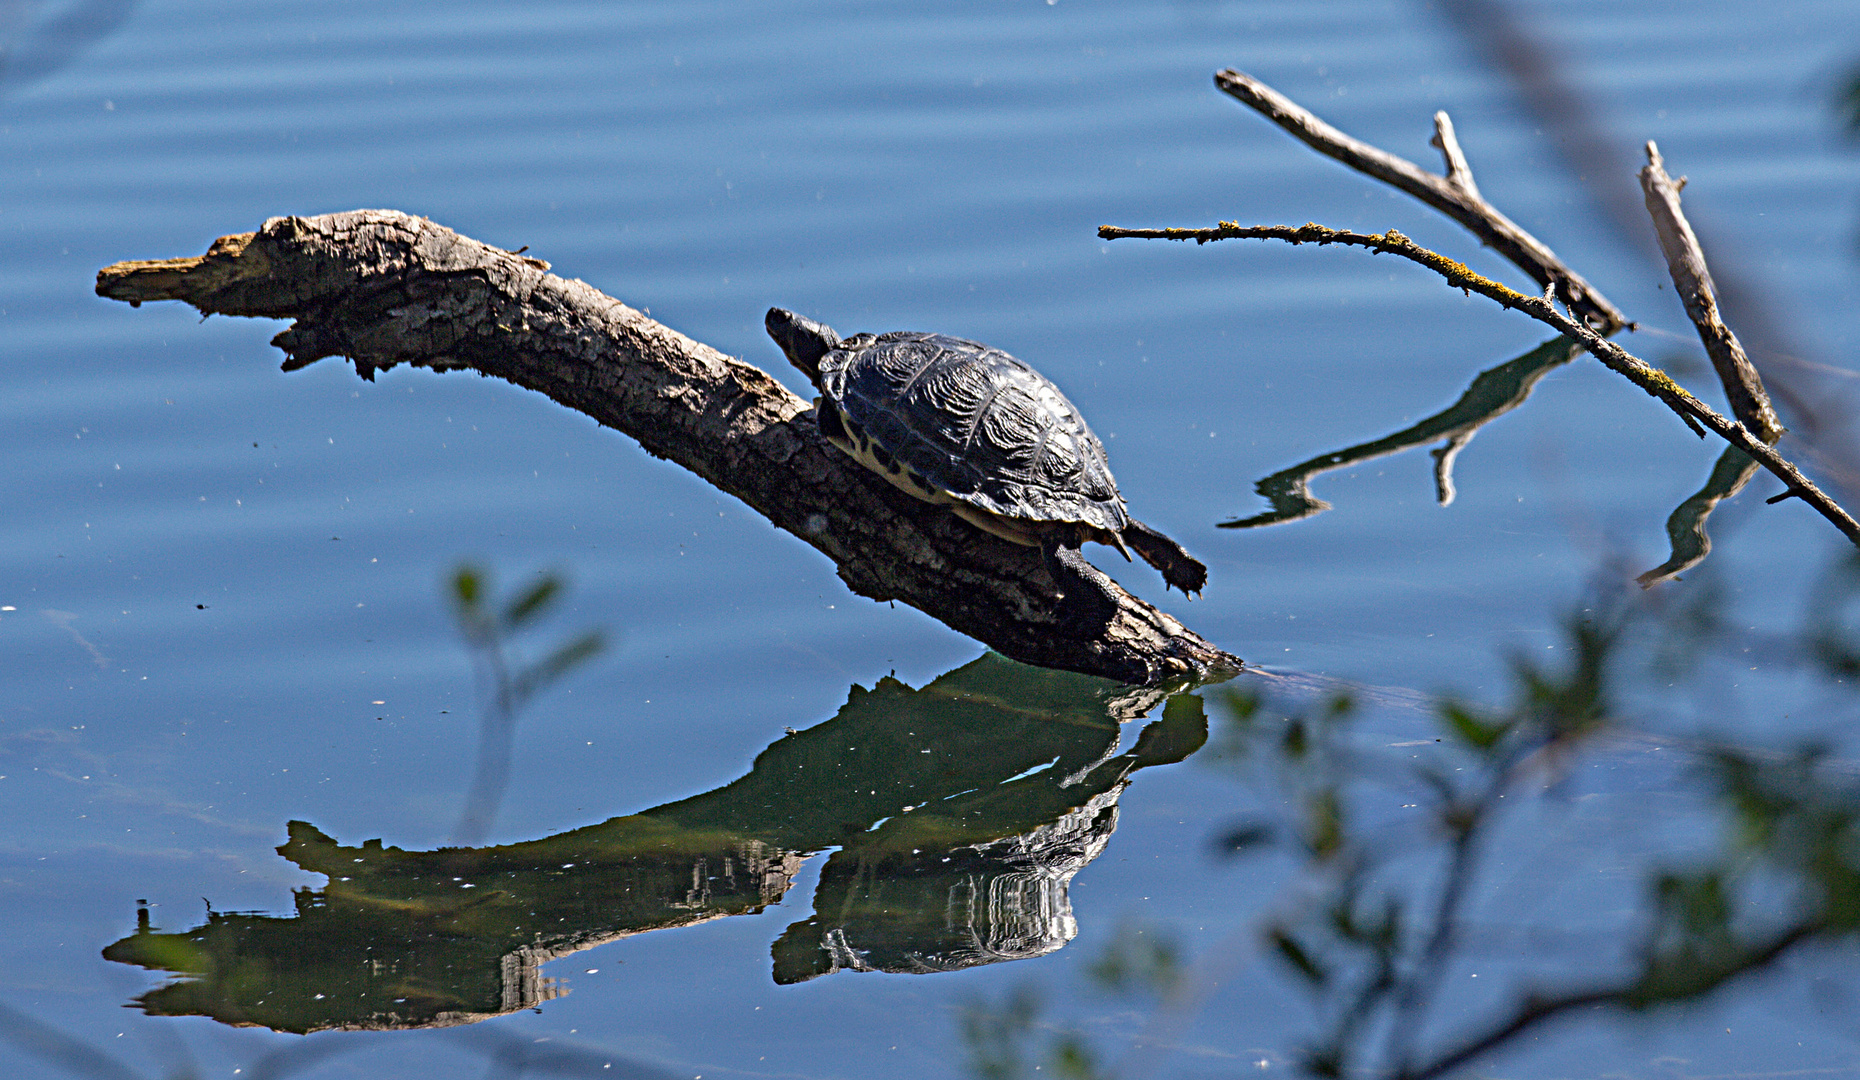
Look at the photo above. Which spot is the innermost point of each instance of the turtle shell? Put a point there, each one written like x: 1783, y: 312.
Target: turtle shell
x: 958, y: 422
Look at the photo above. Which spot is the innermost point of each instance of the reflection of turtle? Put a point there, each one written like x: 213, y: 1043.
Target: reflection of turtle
x: 969, y: 427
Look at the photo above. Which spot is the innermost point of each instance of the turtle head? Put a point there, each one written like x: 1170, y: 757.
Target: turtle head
x: 804, y: 340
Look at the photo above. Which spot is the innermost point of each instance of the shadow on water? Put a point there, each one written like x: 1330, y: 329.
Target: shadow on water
x: 958, y: 814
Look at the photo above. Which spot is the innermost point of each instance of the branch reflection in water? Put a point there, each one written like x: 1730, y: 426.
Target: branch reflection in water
x: 1493, y: 393
x: 960, y: 813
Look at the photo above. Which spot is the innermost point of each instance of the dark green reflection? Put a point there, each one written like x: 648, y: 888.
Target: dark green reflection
x: 1492, y: 394
x: 1685, y: 528
x: 960, y: 811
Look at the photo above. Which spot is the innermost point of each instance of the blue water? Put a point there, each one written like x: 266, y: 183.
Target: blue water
x: 222, y: 583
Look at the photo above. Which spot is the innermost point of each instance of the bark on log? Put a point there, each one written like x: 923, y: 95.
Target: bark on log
x: 383, y: 288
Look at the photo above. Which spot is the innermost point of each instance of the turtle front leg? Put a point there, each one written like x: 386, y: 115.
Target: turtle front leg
x: 1177, y: 566
x: 1084, y: 592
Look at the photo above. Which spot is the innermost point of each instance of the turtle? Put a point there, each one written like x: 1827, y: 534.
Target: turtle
x: 959, y: 424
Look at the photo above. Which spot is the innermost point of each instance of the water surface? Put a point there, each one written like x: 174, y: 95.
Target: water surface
x: 223, y: 583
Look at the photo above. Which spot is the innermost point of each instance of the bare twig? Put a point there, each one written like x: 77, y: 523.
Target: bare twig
x: 1555, y: 95
x: 1454, y: 195
x: 1459, y: 173
x: 1743, y: 387
x: 384, y: 288
x: 1642, y: 374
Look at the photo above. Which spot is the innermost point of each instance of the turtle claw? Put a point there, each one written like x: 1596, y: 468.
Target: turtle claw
x: 1178, y: 568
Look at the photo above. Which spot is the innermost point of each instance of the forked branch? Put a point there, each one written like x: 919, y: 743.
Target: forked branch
x: 1454, y: 194
x: 1655, y: 382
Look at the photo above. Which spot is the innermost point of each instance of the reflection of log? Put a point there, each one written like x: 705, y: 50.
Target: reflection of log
x: 434, y: 939
x: 383, y: 288
x: 980, y: 877
x: 923, y: 910
x: 985, y: 791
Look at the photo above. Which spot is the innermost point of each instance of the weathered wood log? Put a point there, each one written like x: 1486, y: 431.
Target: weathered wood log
x: 383, y: 288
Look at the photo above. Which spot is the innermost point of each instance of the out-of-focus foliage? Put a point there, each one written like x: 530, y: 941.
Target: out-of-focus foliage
x: 505, y: 684
x: 1847, y: 102
x: 1376, y: 917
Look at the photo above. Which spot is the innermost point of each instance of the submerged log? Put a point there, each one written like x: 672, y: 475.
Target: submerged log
x: 382, y: 288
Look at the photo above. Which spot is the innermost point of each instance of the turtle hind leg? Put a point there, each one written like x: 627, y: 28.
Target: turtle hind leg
x: 1084, y: 592
x: 1178, y: 567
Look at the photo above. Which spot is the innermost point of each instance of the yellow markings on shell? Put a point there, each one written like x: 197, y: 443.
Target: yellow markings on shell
x: 860, y: 447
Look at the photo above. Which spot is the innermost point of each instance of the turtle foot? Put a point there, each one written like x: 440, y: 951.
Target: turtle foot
x: 1084, y: 592
x: 1180, y: 569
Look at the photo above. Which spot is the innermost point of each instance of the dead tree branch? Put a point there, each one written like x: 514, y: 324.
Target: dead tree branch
x: 1743, y: 387
x: 1454, y: 195
x: 1655, y: 382
x: 384, y: 288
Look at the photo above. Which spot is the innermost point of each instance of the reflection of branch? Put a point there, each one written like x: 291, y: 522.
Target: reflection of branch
x: 1455, y: 195
x: 1686, y: 527
x: 384, y: 288
x: 1649, y: 378
x: 1492, y: 394
x: 1743, y: 388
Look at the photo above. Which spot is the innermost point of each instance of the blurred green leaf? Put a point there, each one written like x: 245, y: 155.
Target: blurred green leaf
x: 1297, y: 956
x: 1242, y: 704
x: 1324, y: 1063
x: 1324, y: 825
x: 1073, y: 1059
x: 1295, y: 741
x: 1139, y: 958
x: 467, y: 587
x: 996, y: 1034
x: 532, y: 601
x: 1847, y: 103
x: 1476, y: 733
x: 559, y: 663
